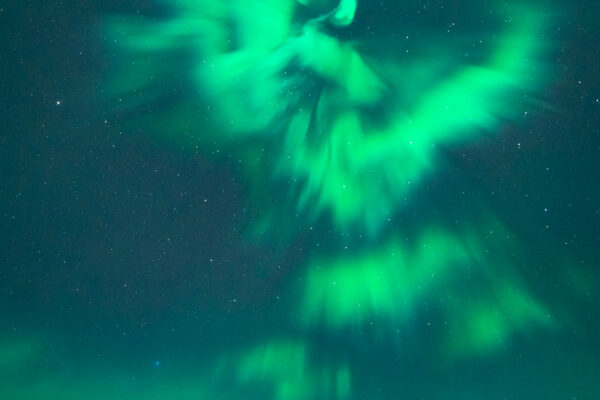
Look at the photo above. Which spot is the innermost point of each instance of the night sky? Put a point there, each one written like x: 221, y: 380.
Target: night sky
x: 127, y: 267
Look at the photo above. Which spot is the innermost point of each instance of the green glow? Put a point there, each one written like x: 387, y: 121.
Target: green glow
x: 280, y: 79
x: 468, y: 277
x: 325, y: 125
x: 344, y: 13
x: 287, y: 369
x: 18, y: 353
x: 359, y: 172
x: 385, y: 283
x: 278, y: 370
x: 488, y: 323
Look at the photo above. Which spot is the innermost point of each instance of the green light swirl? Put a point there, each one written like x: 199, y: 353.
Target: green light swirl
x: 286, y: 370
x: 352, y: 132
x: 470, y: 278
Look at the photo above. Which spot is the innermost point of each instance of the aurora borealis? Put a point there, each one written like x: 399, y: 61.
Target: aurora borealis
x: 339, y: 120
x: 302, y: 199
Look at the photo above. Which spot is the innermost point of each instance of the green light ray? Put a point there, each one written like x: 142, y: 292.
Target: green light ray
x: 17, y: 353
x: 488, y: 323
x: 288, y: 371
x: 383, y: 284
x: 350, y: 129
x: 280, y: 79
x: 469, y: 277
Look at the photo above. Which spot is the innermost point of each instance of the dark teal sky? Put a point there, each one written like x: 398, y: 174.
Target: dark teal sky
x: 127, y: 252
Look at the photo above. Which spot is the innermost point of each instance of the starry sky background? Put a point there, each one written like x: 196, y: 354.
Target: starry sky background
x: 126, y: 249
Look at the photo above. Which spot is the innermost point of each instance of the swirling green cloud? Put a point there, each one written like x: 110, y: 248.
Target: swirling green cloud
x: 331, y: 121
x: 350, y: 130
x: 469, y: 277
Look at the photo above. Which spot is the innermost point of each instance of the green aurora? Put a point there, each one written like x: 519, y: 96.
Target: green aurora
x: 346, y: 129
x: 336, y: 116
x: 338, y: 129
